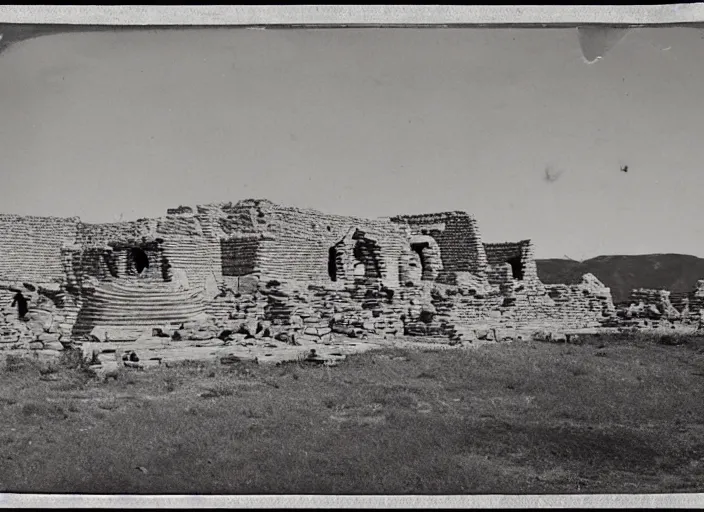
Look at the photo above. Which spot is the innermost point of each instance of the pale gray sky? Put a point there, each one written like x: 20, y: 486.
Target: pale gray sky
x: 369, y: 122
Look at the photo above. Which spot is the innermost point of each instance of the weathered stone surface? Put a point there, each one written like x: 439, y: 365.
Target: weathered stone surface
x: 39, y: 319
x: 54, y: 345
x: 48, y: 337
x: 107, y: 334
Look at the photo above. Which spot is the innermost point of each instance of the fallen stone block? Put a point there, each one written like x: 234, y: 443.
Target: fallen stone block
x: 36, y: 327
x: 540, y: 336
x: 40, y: 318
x: 558, y: 337
x: 201, y: 335
x: 48, y: 354
x: 249, y: 328
x: 483, y: 334
x: 9, y: 336
x: 110, y: 334
x: 348, y: 331
x: 214, y: 342
x: 54, y: 345
x: 47, y: 337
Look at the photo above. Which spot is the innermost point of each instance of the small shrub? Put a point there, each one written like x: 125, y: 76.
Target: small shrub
x: 217, y: 391
x: 71, y: 358
x: 15, y: 363
x: 170, y: 382
x: 109, y: 405
x: 49, y: 369
x: 45, y: 410
x: 579, y: 371
x: 673, y: 340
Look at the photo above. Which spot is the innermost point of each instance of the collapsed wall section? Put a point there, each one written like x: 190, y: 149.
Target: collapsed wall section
x: 458, y: 240
x: 295, y: 244
x: 30, y: 247
x: 101, y: 235
x: 649, y: 308
x: 191, y: 247
x: 517, y: 255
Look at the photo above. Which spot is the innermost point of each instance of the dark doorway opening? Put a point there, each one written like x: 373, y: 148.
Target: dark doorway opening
x: 332, y: 264
x: 516, y: 267
x: 365, y: 253
x: 140, y: 259
x: 419, y: 249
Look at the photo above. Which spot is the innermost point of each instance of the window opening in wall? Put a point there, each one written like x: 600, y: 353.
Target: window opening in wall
x: 332, y: 264
x: 366, y: 264
x: 140, y: 259
x: 516, y: 267
x: 419, y: 249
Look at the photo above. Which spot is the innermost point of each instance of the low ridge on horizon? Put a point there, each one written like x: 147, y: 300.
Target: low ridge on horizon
x: 623, y: 273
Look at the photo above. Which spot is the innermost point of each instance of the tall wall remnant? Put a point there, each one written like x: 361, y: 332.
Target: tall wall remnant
x: 425, y: 274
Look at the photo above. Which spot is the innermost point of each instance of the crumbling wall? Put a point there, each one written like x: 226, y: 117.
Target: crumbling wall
x: 695, y: 302
x: 190, y: 248
x: 429, y: 256
x: 648, y: 308
x: 518, y: 255
x: 100, y: 235
x: 680, y: 300
x: 296, y: 243
x: 30, y: 247
x: 586, y: 304
x: 458, y: 239
x: 239, y: 255
x: 583, y: 305
x: 656, y: 302
x: 47, y: 324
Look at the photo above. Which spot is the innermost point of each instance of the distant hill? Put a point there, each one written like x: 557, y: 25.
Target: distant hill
x: 674, y: 272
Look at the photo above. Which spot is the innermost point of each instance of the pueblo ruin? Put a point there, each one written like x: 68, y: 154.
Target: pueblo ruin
x: 255, y: 270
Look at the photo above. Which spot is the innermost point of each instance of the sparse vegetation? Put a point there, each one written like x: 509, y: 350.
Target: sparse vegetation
x: 524, y: 417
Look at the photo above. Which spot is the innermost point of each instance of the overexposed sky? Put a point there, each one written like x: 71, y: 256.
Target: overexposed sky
x: 367, y: 122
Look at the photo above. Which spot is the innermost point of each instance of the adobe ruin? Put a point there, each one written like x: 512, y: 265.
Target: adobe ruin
x: 290, y: 272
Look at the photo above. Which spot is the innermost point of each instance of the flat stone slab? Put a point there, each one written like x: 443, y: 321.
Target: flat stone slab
x: 166, y: 351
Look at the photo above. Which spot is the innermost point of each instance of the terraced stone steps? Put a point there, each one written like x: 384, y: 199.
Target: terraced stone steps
x: 137, y: 303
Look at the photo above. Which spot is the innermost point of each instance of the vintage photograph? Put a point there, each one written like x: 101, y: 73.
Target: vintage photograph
x: 360, y: 261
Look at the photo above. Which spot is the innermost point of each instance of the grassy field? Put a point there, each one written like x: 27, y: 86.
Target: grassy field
x: 607, y: 415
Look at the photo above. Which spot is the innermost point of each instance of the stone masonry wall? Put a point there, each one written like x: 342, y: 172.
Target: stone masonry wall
x: 30, y: 247
x: 300, y: 240
x: 239, y: 255
x: 458, y: 238
x: 499, y: 254
x: 100, y: 235
x: 649, y: 308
